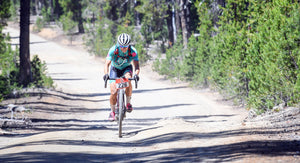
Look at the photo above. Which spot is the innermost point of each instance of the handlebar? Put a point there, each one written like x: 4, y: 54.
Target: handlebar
x: 136, y: 81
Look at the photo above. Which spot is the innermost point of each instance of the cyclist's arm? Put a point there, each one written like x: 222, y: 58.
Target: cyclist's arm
x: 135, y: 61
x: 106, y: 66
x: 136, y: 67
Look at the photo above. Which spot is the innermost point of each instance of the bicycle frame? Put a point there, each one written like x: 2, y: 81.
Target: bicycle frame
x: 121, y: 83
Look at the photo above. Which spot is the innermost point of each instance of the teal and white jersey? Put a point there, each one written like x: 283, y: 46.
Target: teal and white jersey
x: 119, y: 59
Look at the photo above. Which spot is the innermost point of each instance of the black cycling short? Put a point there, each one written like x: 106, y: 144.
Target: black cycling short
x: 116, y: 73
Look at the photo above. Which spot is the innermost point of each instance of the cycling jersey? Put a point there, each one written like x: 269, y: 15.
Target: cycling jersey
x: 122, y: 60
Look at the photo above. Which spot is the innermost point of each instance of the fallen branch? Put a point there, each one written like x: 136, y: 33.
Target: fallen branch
x: 15, y: 123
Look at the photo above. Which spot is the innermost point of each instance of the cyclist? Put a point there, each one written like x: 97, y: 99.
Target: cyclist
x: 120, y: 57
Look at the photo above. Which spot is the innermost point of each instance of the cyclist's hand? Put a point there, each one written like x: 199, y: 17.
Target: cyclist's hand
x: 105, y: 77
x: 136, y: 77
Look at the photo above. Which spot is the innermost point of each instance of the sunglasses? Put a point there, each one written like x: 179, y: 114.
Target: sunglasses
x: 123, y: 46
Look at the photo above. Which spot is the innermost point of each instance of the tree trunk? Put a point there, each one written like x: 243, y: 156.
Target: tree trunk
x: 170, y: 24
x: 177, y: 18
x: 112, y: 13
x: 174, y: 21
x: 58, y: 10
x: 51, y: 7
x: 187, y: 13
x: 37, y: 7
x: 136, y: 13
x: 79, y: 16
x: 216, y: 10
x: 123, y: 8
x: 25, y: 68
x: 33, y: 8
x: 183, y: 24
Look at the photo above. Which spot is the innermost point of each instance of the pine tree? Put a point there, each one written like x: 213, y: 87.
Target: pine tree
x: 275, y: 48
x: 198, y: 61
x: 73, y: 8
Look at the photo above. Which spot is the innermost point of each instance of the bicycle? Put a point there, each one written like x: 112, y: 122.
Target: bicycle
x: 121, y: 83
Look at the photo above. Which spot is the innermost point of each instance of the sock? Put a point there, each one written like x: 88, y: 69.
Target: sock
x: 128, y: 99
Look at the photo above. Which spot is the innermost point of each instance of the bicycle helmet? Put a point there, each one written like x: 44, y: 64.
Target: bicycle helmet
x: 124, y: 39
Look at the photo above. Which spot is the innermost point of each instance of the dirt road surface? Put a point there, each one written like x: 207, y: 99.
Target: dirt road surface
x: 170, y: 122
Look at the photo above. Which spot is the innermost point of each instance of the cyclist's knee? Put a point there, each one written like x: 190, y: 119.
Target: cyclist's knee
x: 128, y: 75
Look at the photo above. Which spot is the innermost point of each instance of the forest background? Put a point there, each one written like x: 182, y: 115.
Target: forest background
x: 248, y: 50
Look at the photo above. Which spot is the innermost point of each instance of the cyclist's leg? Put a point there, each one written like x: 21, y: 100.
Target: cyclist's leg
x: 113, y: 96
x: 128, y: 91
x: 113, y: 92
x: 128, y: 74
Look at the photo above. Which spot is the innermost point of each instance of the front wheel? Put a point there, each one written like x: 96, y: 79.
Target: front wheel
x: 121, y: 109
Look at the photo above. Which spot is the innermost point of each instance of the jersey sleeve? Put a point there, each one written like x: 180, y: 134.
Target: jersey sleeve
x: 110, y: 53
x: 135, y: 54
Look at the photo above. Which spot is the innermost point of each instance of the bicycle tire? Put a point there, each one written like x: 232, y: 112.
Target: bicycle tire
x: 121, y: 109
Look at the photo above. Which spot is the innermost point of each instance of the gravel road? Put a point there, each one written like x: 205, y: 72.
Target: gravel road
x: 170, y: 122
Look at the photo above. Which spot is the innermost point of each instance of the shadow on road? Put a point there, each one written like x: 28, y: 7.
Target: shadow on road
x: 65, y: 96
x: 69, y: 79
x: 157, y: 89
x: 198, y: 153
x: 81, y: 97
x: 18, y: 44
x: 215, y: 153
x: 160, y: 107
x: 107, y: 94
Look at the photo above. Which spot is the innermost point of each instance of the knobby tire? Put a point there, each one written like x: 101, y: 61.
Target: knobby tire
x: 121, y: 109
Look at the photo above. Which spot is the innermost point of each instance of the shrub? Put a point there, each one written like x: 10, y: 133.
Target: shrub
x: 39, y: 24
x: 40, y: 79
x: 99, y: 37
x: 254, y: 56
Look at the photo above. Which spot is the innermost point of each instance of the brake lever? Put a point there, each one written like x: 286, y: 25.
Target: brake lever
x: 105, y: 84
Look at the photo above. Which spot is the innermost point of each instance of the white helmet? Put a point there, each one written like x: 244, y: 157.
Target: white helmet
x: 124, y: 39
